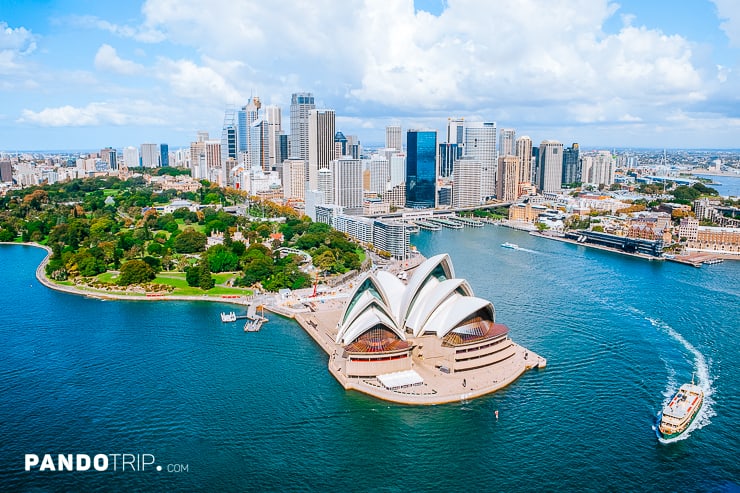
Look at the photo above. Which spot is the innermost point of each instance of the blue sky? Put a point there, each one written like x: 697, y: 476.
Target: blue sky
x: 80, y: 74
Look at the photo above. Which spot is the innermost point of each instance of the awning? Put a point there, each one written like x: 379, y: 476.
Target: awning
x: 400, y: 379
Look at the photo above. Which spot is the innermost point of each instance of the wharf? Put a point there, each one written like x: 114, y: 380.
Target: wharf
x: 593, y: 245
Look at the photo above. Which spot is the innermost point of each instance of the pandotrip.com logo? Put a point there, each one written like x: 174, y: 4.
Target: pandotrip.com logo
x: 99, y: 462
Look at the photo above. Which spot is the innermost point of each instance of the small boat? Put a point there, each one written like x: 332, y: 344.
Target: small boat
x: 681, y: 411
x: 228, y: 317
x: 513, y: 246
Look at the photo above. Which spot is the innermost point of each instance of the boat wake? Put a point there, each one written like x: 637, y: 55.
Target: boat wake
x: 701, y: 368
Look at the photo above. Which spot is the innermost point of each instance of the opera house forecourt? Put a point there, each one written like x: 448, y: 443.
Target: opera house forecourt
x: 428, y: 341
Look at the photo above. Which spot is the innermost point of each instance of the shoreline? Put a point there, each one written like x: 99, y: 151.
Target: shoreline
x: 320, y: 318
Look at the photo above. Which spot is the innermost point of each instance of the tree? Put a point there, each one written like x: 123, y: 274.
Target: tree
x: 220, y: 259
x: 135, y: 272
x: 190, y: 241
x: 206, y: 281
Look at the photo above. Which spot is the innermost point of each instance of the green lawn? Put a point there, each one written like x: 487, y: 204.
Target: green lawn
x: 177, y: 280
x: 201, y: 228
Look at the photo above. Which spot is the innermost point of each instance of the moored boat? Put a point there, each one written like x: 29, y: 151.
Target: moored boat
x: 228, y: 317
x: 681, y: 411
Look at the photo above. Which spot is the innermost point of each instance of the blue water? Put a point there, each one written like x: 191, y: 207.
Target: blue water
x: 729, y: 186
x: 260, y: 412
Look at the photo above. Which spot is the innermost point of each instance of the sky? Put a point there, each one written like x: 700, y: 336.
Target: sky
x: 83, y: 74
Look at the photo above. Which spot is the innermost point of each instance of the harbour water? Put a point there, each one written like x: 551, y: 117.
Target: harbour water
x: 260, y: 411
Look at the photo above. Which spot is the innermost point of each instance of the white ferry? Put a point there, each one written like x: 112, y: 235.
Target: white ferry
x: 681, y: 411
x: 513, y: 246
x: 228, y: 317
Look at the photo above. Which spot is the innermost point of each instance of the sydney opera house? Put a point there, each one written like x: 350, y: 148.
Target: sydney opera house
x: 431, y: 332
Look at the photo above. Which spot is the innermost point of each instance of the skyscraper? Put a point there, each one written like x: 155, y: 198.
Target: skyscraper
x: 294, y: 179
x: 448, y: 154
x: 320, y: 143
x: 506, y: 145
x: 164, y: 155
x: 456, y: 131
x: 380, y: 173
x: 300, y: 106
x: 524, y: 155
x: 108, y: 156
x: 550, y: 166
x: 466, y: 178
x: 246, y: 116
x: 421, y: 168
x: 571, y: 165
x: 229, y: 133
x: 274, y: 118
x: 259, y: 139
x: 507, y: 183
x: 150, y: 156
x: 394, y: 137
x: 131, y: 157
x: 347, y: 174
x: 480, y: 143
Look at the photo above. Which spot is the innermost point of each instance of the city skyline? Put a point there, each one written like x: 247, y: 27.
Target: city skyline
x: 78, y: 75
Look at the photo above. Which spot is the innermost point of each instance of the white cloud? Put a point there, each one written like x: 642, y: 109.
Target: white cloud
x: 143, y: 33
x: 97, y: 113
x: 107, y: 59
x: 14, y: 43
x: 729, y: 12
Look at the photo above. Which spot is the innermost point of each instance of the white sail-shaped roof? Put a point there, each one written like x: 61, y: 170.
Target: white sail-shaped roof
x: 426, y: 304
x: 454, y: 310
x: 432, y: 302
x: 366, y: 321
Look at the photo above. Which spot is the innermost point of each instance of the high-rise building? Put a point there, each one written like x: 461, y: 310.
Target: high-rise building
x: 108, y: 156
x: 448, y: 154
x: 340, y: 144
x: 246, y: 116
x: 506, y: 146
x: 507, y: 183
x: 301, y: 105
x: 398, y: 169
x: 6, y: 171
x: 325, y: 184
x: 550, y: 166
x: 259, y: 141
x: 347, y: 174
x: 131, y: 157
x: 150, y: 156
x: 480, y: 143
x: 229, y: 133
x: 354, y: 148
x: 320, y: 143
x: 421, y: 168
x: 466, y: 182
x: 294, y: 179
x: 456, y: 131
x: 601, y: 170
x: 571, y: 165
x: 394, y: 137
x: 380, y: 173
x: 164, y: 155
x: 524, y: 155
x: 274, y: 118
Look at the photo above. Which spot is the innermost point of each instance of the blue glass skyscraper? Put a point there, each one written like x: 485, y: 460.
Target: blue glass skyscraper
x: 421, y: 168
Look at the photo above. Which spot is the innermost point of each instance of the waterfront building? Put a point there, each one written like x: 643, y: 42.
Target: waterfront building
x: 506, y: 142
x: 571, y: 165
x: 550, y: 166
x: 421, y: 168
x: 526, y: 212
x: 301, y: 104
x: 508, y: 178
x: 320, y: 143
x: 394, y: 137
x: 435, y: 321
x: 389, y: 236
x: 444, y: 195
x: 708, y: 238
x: 395, y: 196
x: 524, y: 155
x: 480, y: 143
x: 294, y: 179
x: 466, y: 182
